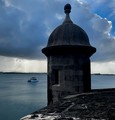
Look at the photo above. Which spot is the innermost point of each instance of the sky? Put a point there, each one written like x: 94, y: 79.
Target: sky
x: 25, y: 26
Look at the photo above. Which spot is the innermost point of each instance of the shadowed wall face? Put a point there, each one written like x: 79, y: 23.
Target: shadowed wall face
x: 68, y: 75
x: 68, y: 53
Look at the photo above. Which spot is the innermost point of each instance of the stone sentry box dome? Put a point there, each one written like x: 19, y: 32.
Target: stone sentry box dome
x: 68, y: 51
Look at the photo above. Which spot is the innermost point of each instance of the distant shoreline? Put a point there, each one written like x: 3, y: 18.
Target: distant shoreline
x: 102, y: 74
x: 46, y: 73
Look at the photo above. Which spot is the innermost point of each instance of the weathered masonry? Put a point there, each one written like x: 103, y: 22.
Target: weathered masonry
x: 68, y: 52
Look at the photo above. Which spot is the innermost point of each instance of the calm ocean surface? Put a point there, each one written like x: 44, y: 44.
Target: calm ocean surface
x: 19, y: 98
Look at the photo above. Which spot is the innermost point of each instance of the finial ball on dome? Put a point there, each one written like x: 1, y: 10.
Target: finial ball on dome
x: 67, y: 8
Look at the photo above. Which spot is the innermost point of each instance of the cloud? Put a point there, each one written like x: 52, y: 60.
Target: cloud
x: 20, y: 35
x: 104, y: 8
x: 103, y: 67
x: 26, y: 25
x: 21, y: 65
x: 103, y: 39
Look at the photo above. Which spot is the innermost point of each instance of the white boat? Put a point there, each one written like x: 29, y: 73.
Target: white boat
x: 33, y: 79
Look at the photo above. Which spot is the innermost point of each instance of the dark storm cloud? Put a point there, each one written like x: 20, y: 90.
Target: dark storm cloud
x: 24, y: 27
x: 19, y: 34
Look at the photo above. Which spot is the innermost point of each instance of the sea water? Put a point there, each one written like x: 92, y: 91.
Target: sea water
x: 102, y: 81
x: 19, y: 98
